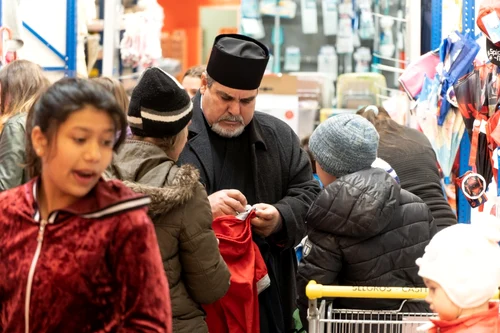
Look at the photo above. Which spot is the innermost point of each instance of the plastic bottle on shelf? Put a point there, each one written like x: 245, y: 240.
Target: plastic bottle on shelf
x: 328, y: 61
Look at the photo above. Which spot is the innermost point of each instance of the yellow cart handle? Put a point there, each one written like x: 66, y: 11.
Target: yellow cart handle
x: 315, y: 291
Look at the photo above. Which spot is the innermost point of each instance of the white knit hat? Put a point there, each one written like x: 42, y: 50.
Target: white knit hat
x: 465, y: 260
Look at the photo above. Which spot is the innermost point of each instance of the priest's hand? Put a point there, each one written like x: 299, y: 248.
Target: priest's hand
x: 227, y: 202
x: 267, y: 220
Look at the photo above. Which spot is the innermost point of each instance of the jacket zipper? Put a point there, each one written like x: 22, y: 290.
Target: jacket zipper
x: 29, y: 284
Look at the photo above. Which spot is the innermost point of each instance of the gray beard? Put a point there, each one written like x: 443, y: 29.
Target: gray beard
x: 225, y: 133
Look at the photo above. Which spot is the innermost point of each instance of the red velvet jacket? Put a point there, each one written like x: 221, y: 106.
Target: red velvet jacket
x: 92, y: 267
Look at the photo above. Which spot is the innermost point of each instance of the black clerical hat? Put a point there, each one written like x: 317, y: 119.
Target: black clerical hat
x: 238, y: 61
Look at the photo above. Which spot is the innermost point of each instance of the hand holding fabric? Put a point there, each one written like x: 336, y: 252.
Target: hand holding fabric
x: 267, y: 220
x: 227, y: 202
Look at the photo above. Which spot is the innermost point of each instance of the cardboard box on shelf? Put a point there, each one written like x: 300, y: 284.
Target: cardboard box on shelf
x: 278, y: 97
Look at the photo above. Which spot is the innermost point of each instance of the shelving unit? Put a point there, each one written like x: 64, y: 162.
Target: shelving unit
x: 42, y: 44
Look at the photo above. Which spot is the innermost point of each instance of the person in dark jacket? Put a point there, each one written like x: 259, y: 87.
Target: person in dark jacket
x: 248, y: 157
x: 159, y: 113
x: 363, y: 229
x: 410, y: 153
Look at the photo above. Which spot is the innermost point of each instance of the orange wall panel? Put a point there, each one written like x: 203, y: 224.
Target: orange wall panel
x: 185, y: 14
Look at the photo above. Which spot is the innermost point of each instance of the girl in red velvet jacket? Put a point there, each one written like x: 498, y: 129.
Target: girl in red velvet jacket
x: 78, y: 254
x: 461, y: 268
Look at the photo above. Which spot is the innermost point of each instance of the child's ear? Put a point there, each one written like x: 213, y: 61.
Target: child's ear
x: 39, y: 141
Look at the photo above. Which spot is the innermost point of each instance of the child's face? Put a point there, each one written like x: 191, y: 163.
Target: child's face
x: 77, y: 155
x: 440, y: 303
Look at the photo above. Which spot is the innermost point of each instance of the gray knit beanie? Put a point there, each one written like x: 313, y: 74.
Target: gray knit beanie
x: 344, y: 144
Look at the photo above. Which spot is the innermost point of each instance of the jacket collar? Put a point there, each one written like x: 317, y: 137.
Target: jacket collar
x: 468, y: 321
x: 198, y: 126
x: 107, y: 198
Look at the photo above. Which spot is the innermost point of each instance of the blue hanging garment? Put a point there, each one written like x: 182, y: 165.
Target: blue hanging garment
x: 457, y: 53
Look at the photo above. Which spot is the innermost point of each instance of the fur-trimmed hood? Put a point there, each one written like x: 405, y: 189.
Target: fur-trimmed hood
x: 145, y: 168
x: 175, y: 193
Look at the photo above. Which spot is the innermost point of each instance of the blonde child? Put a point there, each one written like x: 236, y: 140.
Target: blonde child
x: 461, y: 268
x: 21, y: 84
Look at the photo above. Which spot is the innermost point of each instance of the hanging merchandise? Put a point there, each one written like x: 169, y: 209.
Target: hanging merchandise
x: 488, y: 19
x: 362, y: 56
x: 366, y: 24
x: 12, y: 19
x: 330, y: 17
x: 141, y: 45
x: 309, y: 16
x: 473, y: 187
x: 270, y: 64
x: 457, y: 52
x: 285, y: 8
x: 252, y: 27
x: 453, y: 10
x: 251, y: 21
x: 387, y: 46
x: 328, y: 61
x: 292, y: 59
x: 412, y: 78
x: 400, y: 43
x: 445, y: 139
x: 345, y: 33
x: 477, y: 97
x: 6, y: 56
x: 278, y: 38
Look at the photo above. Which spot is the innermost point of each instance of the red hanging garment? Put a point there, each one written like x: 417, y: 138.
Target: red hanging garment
x: 238, y: 310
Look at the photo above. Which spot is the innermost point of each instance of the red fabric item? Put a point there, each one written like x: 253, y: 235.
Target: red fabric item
x: 238, y: 310
x: 484, y: 322
x: 486, y: 7
x: 98, y: 273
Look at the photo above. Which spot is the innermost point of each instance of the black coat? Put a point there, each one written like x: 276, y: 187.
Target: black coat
x: 363, y: 230
x: 282, y: 176
x: 410, y: 154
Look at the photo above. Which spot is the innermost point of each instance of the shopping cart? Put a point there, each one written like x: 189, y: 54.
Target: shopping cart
x: 327, y: 319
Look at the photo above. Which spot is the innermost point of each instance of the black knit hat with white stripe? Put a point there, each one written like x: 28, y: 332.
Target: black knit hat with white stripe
x: 159, y: 106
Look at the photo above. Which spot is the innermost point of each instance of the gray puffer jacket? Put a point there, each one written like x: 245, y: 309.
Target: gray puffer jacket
x: 364, y: 230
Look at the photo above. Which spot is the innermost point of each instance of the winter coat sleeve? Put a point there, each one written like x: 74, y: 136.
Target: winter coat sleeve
x: 300, y: 194
x: 12, y: 155
x: 145, y: 299
x: 322, y: 262
x: 204, y: 271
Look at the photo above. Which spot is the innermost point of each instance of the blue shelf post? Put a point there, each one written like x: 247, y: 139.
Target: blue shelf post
x: 437, y: 23
x: 71, y: 37
x: 463, y: 207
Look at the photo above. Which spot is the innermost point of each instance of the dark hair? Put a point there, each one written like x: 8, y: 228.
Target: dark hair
x: 63, y: 98
x: 383, y: 124
x: 304, y: 143
x: 195, y: 71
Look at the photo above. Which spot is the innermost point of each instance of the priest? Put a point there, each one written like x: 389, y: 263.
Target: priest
x: 247, y: 157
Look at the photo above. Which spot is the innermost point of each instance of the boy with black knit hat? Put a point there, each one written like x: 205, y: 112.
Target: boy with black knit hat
x: 160, y: 111
x: 363, y: 229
